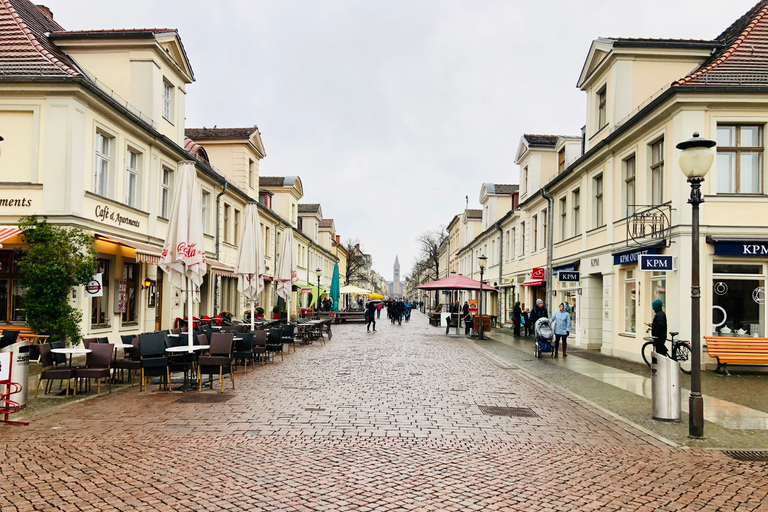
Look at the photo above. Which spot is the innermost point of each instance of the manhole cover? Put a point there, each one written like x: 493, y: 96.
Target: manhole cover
x: 204, y: 399
x: 516, y: 412
x: 748, y: 456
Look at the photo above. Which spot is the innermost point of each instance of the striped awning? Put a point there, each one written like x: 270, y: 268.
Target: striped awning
x: 145, y: 253
x: 217, y: 268
x: 7, y: 232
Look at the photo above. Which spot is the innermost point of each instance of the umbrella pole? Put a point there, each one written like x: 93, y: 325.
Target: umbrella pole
x: 190, y: 321
x: 252, y: 312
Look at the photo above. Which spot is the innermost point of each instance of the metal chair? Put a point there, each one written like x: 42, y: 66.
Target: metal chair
x: 154, y: 362
x: 275, y: 343
x: 51, y: 371
x: 289, y: 333
x: 97, y: 366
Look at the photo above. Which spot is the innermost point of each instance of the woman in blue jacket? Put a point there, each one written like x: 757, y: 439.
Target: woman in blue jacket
x: 562, y: 327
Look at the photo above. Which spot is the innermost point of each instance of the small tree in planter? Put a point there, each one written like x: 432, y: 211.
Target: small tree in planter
x: 259, y: 312
x: 275, y: 312
x: 55, y: 260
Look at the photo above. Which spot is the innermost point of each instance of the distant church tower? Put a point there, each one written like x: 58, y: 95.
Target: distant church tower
x: 397, y: 290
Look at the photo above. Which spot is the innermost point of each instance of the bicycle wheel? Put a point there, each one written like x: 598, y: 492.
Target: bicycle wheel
x: 682, y: 355
x: 647, y: 349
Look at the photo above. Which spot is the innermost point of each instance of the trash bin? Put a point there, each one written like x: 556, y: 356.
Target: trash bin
x: 665, y: 388
x: 19, y: 368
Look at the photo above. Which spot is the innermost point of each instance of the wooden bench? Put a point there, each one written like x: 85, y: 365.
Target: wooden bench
x: 732, y: 350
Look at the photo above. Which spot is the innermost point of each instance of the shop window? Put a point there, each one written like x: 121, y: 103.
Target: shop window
x: 630, y: 302
x: 738, y: 300
x: 657, y: 172
x: 659, y: 287
x: 11, y: 291
x: 569, y: 298
x: 629, y: 185
x: 131, y: 276
x: 100, y: 305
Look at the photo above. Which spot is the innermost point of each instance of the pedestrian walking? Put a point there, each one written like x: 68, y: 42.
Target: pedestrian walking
x: 562, y: 322
x: 659, y: 328
x: 538, y: 311
x: 378, y: 309
x: 467, y: 317
x: 370, y: 314
x: 517, y: 318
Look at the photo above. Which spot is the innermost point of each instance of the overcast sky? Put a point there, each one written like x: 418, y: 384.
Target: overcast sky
x: 391, y: 112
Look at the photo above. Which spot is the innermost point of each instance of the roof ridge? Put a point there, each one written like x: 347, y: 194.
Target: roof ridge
x: 29, y: 34
x: 728, y: 51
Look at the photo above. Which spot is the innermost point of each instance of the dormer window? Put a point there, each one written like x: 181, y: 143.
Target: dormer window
x: 167, y: 101
x: 602, y: 117
x: 561, y: 161
x: 524, y: 181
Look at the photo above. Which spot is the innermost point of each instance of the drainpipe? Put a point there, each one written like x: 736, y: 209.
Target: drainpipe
x: 502, y: 316
x: 216, y: 291
x: 274, y: 272
x: 550, y: 249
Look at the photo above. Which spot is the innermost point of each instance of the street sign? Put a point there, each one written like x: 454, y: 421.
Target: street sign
x: 568, y: 276
x: 655, y: 263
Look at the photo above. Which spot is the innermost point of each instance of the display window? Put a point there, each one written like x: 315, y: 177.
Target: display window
x: 738, y: 299
x: 630, y: 302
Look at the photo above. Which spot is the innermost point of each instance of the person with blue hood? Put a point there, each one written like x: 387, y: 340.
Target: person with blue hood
x: 659, y: 328
x: 562, y: 322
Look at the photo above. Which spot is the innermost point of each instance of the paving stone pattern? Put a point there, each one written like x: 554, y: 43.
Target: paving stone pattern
x: 368, y: 422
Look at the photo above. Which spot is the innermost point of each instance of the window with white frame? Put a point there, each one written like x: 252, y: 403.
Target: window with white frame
x: 508, y: 247
x: 205, y: 202
x: 524, y: 181
x: 629, y: 185
x: 630, y: 301
x: 576, y: 206
x: 563, y: 219
x: 597, y: 187
x: 602, y: 109
x: 227, y: 215
x: 657, y: 172
x: 534, y: 233
x: 166, y: 188
x: 236, y: 232
x: 522, y: 239
x: 251, y: 173
x: 132, y: 163
x: 739, y: 159
x: 168, y: 101
x: 103, y: 163
x: 544, y: 229
x: 493, y: 253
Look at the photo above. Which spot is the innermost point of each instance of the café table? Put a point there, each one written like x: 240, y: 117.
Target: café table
x: 187, y: 364
x: 71, y: 352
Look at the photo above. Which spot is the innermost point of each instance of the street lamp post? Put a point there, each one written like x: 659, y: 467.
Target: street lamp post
x: 318, y: 272
x: 695, y: 160
x: 481, y: 261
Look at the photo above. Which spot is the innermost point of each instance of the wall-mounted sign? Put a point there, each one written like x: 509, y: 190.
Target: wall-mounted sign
x: 472, y: 305
x: 755, y: 248
x: 104, y: 214
x: 649, y: 223
x: 631, y: 257
x: 121, y: 295
x: 537, y: 273
x: 655, y: 263
x: 151, y: 298
x: 93, y: 288
x: 568, y: 276
x: 19, y: 201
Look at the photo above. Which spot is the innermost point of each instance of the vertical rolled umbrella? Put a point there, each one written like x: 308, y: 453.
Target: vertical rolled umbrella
x: 286, y: 268
x: 250, y: 257
x: 183, y: 255
x: 335, y: 294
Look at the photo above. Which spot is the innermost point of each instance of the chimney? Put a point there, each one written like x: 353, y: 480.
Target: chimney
x: 46, y: 11
x: 338, y: 239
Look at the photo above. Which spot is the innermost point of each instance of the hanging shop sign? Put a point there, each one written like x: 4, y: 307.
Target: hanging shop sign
x: 93, y: 288
x: 623, y: 258
x: 648, y: 224
x: 568, y: 276
x: 655, y: 263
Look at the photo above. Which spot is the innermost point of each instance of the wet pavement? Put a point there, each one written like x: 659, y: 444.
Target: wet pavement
x: 403, y: 419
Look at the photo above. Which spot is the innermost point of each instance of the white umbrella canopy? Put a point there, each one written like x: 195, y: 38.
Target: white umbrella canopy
x: 287, y: 271
x: 354, y: 290
x: 183, y: 256
x: 250, y: 257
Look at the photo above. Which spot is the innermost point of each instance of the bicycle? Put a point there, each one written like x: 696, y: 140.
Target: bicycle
x: 681, y: 352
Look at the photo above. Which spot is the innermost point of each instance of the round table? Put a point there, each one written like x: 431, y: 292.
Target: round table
x: 71, y: 351
x: 189, y: 349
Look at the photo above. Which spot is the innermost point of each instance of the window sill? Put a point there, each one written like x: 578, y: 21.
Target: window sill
x: 100, y: 327
x: 129, y: 324
x: 595, y: 230
x: 732, y: 196
x: 569, y: 239
x: 628, y: 334
x: 168, y: 121
x: 598, y: 131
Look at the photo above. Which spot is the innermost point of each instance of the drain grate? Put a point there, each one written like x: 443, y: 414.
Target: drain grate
x: 747, y: 455
x: 516, y: 412
x: 252, y: 432
x: 204, y: 399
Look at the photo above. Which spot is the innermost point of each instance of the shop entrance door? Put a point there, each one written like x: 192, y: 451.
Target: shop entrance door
x: 159, y: 300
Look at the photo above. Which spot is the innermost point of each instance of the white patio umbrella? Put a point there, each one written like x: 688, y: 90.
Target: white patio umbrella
x: 184, y: 252
x: 250, y: 258
x: 286, y: 267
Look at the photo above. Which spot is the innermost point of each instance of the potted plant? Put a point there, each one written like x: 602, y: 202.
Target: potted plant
x: 275, y: 312
x: 259, y: 312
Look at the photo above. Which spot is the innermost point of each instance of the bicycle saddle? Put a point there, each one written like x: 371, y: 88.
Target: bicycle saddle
x: 673, y: 333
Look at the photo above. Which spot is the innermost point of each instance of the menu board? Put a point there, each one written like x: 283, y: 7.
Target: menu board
x: 121, y: 295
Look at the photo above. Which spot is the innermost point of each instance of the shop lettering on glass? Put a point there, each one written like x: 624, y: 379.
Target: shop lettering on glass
x: 652, y: 223
x: 104, y: 214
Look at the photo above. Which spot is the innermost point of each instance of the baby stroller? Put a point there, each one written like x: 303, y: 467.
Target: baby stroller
x: 542, y: 337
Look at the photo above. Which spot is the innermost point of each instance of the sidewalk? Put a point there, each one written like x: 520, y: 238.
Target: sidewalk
x: 735, y: 408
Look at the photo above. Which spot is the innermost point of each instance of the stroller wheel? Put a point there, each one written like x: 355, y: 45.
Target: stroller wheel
x: 536, y: 349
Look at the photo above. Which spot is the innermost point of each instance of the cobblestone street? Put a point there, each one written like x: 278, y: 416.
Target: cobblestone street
x: 372, y: 422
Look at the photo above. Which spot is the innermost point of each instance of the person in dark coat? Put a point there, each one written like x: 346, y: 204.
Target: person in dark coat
x: 517, y: 315
x: 467, y: 318
x: 371, y: 316
x: 659, y: 328
x: 538, y: 311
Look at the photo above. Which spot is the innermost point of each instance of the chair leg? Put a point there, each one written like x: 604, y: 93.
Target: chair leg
x: 232, y: 377
x: 109, y: 382
x: 67, y: 395
x: 38, y: 385
x: 199, y: 379
x: 98, y: 386
x: 221, y: 380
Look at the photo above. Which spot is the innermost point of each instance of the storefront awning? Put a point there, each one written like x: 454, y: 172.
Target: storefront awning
x: 569, y: 267
x: 145, y: 253
x: 218, y: 268
x: 739, y: 246
x: 533, y: 282
x: 631, y: 254
x: 7, y: 232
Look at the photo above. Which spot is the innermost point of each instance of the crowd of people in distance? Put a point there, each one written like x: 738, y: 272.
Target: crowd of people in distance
x: 397, y: 311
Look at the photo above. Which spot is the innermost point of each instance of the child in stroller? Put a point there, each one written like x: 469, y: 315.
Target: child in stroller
x: 542, y: 337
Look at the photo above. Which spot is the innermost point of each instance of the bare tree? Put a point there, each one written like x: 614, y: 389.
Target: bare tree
x: 357, y: 271
x: 429, y: 253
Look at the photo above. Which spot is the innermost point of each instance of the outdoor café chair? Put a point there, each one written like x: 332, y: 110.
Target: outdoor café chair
x: 289, y: 332
x: 87, y: 342
x: 51, y: 371
x: 244, y: 349
x: 154, y: 362
x: 275, y: 343
x: 10, y: 336
x: 260, y: 345
x: 97, y: 366
x: 102, y: 340
x: 219, y: 361
x: 132, y: 359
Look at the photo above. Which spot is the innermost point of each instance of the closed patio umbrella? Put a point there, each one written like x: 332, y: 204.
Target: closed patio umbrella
x: 335, y: 288
x: 250, y: 256
x: 183, y: 255
x: 286, y: 268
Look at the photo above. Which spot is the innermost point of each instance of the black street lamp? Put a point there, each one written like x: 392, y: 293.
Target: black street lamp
x: 695, y: 160
x: 318, y: 272
x: 481, y: 261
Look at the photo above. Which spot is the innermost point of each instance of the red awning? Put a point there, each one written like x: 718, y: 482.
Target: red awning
x: 7, y: 232
x: 458, y: 282
x: 534, y: 282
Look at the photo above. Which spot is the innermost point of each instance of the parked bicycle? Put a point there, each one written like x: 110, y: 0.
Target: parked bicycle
x: 681, y: 352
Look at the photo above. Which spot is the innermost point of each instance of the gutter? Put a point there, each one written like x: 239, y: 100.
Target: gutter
x: 550, y: 247
x: 501, y: 266
x: 216, y: 293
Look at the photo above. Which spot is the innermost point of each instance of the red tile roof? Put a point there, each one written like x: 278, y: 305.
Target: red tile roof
x: 24, y: 48
x: 743, y: 56
x: 196, y: 150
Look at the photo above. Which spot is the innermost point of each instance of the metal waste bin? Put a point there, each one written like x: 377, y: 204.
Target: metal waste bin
x: 665, y: 388
x: 19, y: 368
